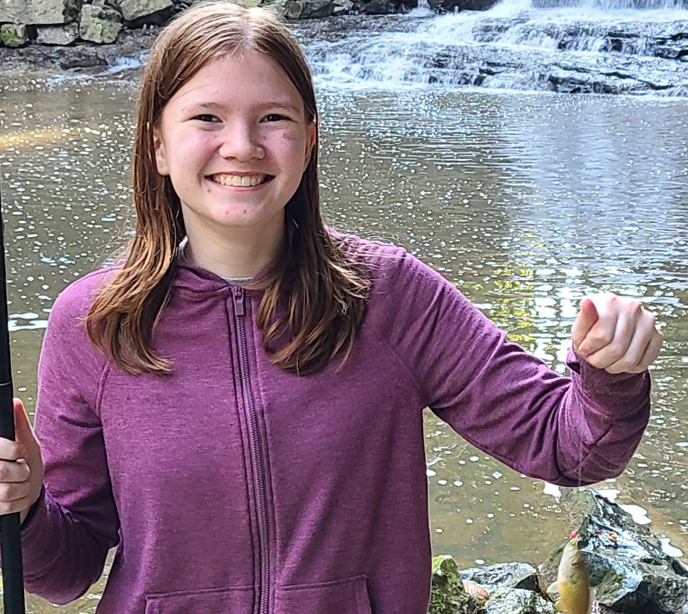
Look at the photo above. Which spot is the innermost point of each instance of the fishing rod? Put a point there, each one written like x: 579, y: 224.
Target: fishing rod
x: 10, y: 529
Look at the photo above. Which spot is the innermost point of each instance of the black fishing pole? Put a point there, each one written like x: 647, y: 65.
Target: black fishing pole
x: 10, y: 529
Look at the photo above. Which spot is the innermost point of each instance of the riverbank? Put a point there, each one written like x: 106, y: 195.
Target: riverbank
x: 63, y: 23
x: 79, y: 58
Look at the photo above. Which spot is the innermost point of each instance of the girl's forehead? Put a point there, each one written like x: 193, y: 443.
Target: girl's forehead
x: 249, y: 78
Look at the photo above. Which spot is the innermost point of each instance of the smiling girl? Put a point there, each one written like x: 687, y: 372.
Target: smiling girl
x: 237, y: 407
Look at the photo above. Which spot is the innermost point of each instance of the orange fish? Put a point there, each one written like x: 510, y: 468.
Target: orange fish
x: 573, y: 582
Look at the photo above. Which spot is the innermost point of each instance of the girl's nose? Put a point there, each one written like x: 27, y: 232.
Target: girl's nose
x: 240, y: 142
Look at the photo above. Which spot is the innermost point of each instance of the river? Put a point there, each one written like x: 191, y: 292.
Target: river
x: 526, y: 200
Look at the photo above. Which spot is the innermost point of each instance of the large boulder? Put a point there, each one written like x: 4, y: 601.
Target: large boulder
x: 14, y: 34
x: 57, y: 35
x: 39, y: 12
x: 133, y: 10
x: 99, y: 24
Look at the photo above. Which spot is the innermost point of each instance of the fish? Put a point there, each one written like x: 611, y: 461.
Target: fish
x: 573, y: 581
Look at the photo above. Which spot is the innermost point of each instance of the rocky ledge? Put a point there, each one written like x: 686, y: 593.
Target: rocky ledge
x: 66, y: 22
x: 629, y: 571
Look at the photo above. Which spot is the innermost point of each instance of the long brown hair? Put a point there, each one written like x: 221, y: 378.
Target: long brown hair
x: 317, y: 277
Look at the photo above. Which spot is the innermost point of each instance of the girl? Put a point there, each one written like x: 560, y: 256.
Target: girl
x: 237, y: 408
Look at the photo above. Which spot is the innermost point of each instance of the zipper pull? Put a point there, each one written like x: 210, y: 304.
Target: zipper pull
x: 238, y: 300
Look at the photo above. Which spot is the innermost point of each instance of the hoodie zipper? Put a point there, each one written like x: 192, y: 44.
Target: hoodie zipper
x: 256, y: 453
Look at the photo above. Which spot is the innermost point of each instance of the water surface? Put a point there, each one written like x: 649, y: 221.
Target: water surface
x: 526, y: 202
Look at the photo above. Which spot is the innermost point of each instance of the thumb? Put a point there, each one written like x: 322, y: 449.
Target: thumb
x: 23, y: 431
x: 584, y: 322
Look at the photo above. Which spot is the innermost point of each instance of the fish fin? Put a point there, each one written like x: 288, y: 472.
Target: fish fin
x: 591, y: 599
x: 552, y: 588
x: 559, y: 605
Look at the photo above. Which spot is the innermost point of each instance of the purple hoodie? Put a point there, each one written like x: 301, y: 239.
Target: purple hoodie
x: 232, y: 487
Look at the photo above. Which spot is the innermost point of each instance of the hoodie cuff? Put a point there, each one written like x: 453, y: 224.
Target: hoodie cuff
x: 33, y: 512
x: 621, y: 394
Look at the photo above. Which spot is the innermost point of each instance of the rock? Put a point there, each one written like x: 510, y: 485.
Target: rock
x: 14, y: 34
x: 448, y: 6
x: 504, y: 575
x: 308, y: 9
x: 448, y: 595
x: 342, y: 7
x: 57, y: 35
x: 99, y: 24
x: 671, y: 52
x: 517, y: 601
x: 82, y: 57
x: 136, y: 9
x: 628, y: 567
x: 39, y: 12
x: 378, y: 7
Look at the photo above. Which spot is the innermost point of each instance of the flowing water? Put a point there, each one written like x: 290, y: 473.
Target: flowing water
x: 526, y: 200
x: 586, y: 48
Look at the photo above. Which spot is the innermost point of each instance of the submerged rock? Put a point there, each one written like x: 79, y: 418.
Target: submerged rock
x: 82, y: 57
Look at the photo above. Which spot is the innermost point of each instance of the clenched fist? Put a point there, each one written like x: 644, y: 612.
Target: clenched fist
x: 21, y: 467
x: 616, y: 334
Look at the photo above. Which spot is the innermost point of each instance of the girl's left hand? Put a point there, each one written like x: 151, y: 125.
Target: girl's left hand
x: 616, y: 334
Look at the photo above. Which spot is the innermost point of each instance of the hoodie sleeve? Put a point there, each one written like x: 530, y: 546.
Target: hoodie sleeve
x: 506, y: 402
x: 75, y: 522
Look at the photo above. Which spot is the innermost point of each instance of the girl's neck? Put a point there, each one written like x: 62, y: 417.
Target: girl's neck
x: 232, y: 259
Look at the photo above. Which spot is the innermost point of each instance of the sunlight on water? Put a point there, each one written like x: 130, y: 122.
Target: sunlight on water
x: 525, y: 202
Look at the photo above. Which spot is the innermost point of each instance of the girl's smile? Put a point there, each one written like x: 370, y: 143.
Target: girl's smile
x: 239, y: 180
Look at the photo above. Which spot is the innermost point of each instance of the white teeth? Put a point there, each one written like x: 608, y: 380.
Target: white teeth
x: 243, y: 181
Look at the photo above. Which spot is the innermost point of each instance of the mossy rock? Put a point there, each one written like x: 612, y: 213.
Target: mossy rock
x: 448, y: 594
x: 14, y: 35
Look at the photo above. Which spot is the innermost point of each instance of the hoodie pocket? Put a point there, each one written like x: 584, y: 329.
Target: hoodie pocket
x: 348, y: 596
x: 208, y: 601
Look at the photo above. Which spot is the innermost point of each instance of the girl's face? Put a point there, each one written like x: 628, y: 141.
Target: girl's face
x: 235, y: 143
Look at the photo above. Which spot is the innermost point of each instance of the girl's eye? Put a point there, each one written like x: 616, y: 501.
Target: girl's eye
x: 206, y: 118
x: 275, y: 117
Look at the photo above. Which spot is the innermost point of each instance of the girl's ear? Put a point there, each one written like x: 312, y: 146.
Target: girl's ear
x: 160, y: 155
x: 310, y: 143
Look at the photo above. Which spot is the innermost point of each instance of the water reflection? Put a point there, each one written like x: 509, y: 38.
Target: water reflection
x: 525, y: 202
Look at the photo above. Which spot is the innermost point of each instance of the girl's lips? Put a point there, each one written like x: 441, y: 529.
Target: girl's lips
x: 240, y: 180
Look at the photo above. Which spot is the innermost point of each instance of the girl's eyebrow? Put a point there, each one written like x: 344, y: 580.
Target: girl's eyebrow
x: 273, y: 104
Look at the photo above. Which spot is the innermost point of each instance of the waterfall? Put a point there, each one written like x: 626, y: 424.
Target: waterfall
x: 594, y: 46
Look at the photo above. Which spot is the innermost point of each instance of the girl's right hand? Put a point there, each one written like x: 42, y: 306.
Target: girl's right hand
x: 21, y: 466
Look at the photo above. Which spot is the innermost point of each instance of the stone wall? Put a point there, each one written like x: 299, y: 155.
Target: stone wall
x: 65, y: 22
